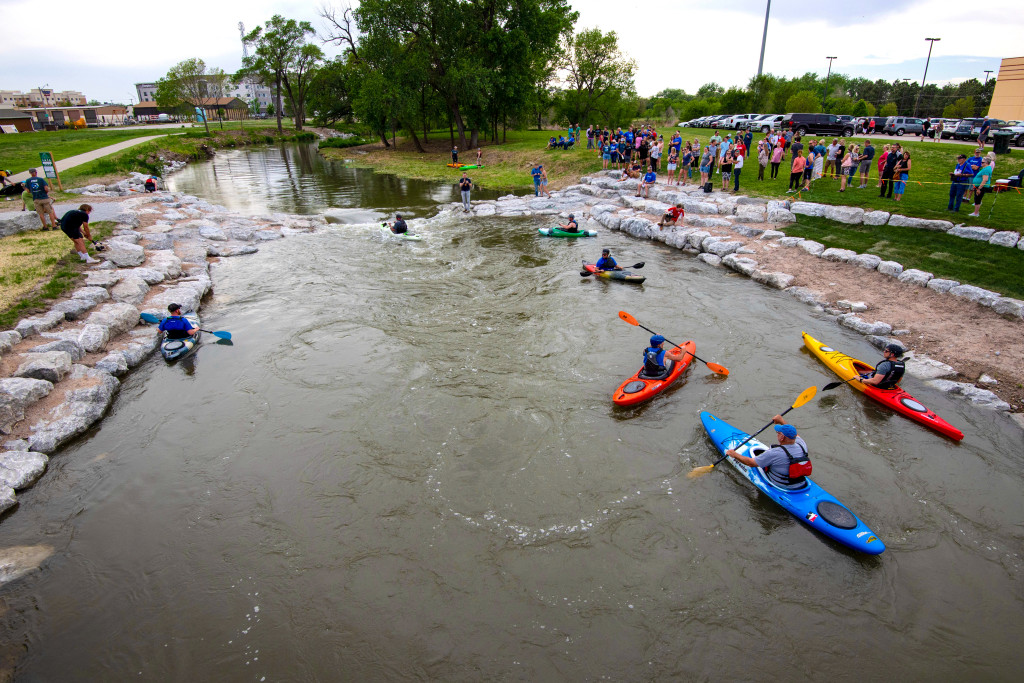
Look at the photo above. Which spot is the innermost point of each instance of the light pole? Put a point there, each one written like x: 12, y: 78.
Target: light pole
x: 764, y: 38
x: 987, y: 72
x: 829, y: 76
x: 931, y: 44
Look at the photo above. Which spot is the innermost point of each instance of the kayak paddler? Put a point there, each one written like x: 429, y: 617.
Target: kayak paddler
x: 654, y: 358
x: 889, y: 372
x: 399, y: 227
x: 571, y: 226
x: 786, y: 464
x: 176, y: 325
x: 606, y: 262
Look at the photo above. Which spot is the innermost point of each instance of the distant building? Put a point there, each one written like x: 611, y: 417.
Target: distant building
x: 51, y: 118
x: 230, y: 108
x: 41, y: 97
x: 1008, y: 96
x: 16, y: 118
x: 246, y: 90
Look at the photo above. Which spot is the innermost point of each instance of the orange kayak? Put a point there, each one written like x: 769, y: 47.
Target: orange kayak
x: 640, y: 388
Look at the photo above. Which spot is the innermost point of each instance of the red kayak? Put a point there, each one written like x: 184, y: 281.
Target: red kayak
x: 640, y: 388
x: 896, y: 398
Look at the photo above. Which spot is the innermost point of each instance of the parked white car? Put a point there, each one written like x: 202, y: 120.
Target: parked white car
x: 738, y: 121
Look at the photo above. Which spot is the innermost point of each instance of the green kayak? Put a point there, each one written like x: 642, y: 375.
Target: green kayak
x: 558, y: 232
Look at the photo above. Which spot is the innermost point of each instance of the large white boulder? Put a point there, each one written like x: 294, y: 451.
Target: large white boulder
x: 852, y: 215
x: 913, y: 276
x: 919, y: 223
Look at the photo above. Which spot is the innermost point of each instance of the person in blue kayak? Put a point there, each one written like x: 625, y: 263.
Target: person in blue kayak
x: 399, y: 227
x: 785, y: 464
x: 176, y: 325
x: 571, y: 225
x: 606, y: 262
x: 888, y: 373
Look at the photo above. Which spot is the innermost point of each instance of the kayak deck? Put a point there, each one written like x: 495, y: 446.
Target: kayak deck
x: 847, y: 367
x: 623, y: 275
x: 638, y: 389
x: 557, y: 232
x: 812, y: 505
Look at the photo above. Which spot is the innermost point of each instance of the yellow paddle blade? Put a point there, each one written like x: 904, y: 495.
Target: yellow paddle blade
x: 718, y: 369
x: 803, y: 398
x: 628, y: 318
x: 697, y: 472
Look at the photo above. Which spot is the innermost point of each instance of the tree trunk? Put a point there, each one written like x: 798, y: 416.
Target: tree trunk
x: 278, y: 104
x: 384, y: 139
x: 416, y: 140
x: 459, y: 124
x: 474, y: 138
x: 504, y: 130
x: 451, y: 132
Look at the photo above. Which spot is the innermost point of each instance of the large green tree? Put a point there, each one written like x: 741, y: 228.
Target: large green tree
x: 283, y: 57
x: 186, y: 86
x: 598, y: 79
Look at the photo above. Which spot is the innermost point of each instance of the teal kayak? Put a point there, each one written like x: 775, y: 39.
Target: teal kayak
x: 812, y: 505
x: 558, y: 232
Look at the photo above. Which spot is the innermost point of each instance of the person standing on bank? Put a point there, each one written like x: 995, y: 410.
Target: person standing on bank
x: 75, y: 224
x: 887, y: 173
x: 455, y: 154
x: 544, y: 182
x: 887, y: 374
x: 41, y: 197
x: 465, y: 185
x: 787, y: 464
x: 961, y: 177
x: 737, y: 167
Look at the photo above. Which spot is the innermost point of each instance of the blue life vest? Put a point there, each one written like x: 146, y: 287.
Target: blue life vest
x: 176, y: 327
x: 654, y: 360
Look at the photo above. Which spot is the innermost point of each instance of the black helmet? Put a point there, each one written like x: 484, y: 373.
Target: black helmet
x: 894, y: 349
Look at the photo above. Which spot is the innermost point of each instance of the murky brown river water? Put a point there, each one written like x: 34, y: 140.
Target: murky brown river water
x: 408, y: 467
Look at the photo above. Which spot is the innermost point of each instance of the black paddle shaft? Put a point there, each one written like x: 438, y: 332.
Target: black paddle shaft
x: 746, y: 440
x: 677, y: 345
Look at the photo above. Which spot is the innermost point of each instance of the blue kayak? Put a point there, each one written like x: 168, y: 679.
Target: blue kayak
x: 812, y: 505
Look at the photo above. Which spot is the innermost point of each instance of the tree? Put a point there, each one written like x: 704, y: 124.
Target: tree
x: 598, y: 78
x: 216, y: 88
x: 280, y: 52
x: 710, y: 91
x: 888, y: 109
x: 962, y: 108
x: 733, y: 101
x: 804, y: 102
x: 186, y: 85
x: 331, y: 90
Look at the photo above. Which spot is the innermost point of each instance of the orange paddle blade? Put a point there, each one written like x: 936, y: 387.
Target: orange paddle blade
x: 718, y: 369
x: 628, y: 318
x: 697, y: 472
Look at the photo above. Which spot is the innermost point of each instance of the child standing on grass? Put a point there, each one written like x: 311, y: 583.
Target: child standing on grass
x: 902, y: 174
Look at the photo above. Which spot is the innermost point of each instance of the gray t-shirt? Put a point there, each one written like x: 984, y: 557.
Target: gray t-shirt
x: 776, y: 458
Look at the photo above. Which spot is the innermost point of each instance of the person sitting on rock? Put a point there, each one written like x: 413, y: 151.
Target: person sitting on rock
x: 649, y: 179
x: 177, y: 326
x: 888, y: 373
x: 631, y: 171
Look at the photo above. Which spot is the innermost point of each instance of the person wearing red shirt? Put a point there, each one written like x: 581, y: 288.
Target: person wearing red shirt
x: 672, y: 216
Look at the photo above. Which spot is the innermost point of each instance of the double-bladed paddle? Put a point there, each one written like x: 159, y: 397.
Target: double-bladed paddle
x: 835, y: 385
x: 803, y: 398
x: 635, y: 266
x: 713, y: 367
x: 150, y: 318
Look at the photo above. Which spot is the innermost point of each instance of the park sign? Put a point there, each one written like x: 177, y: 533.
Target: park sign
x: 50, y: 167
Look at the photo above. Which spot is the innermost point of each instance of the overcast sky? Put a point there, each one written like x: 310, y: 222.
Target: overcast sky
x: 103, y: 50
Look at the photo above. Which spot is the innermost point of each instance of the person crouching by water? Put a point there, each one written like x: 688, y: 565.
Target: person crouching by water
x: 150, y: 184
x: 655, y: 356
x: 571, y: 225
x: 672, y: 216
x: 606, y: 262
x: 176, y: 325
x: 75, y: 224
x: 889, y: 372
x: 786, y: 464
x: 399, y: 227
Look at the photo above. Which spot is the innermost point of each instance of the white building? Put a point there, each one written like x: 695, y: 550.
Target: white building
x: 41, y: 97
x: 245, y: 90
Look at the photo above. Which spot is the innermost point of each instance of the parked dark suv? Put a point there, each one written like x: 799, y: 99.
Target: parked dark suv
x: 819, y: 124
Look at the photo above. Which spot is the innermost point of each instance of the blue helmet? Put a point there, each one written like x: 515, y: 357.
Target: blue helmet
x: 657, y: 339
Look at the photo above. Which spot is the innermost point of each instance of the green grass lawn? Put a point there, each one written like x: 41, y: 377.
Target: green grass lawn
x: 946, y: 256
x: 20, y: 152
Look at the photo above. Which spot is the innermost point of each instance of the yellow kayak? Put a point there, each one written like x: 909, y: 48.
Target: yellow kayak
x: 897, y: 399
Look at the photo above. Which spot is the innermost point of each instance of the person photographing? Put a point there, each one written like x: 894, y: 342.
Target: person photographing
x: 75, y: 224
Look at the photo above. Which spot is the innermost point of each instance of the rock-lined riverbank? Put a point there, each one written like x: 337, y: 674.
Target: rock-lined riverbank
x: 60, y: 369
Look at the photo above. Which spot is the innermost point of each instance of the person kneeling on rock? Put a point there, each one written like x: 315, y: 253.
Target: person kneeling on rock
x: 672, y: 216
x: 74, y: 224
x: 176, y: 326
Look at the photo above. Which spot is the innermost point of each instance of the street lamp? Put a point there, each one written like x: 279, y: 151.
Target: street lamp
x: 829, y: 76
x: 764, y: 38
x: 987, y: 72
x: 931, y: 44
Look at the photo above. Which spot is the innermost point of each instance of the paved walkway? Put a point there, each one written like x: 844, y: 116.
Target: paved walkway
x: 79, y: 159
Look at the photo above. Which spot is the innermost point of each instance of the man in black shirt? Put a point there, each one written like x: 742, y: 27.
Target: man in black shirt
x: 75, y: 224
x: 890, y: 166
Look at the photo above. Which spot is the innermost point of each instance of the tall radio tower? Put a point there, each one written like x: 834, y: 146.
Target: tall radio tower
x: 241, y: 31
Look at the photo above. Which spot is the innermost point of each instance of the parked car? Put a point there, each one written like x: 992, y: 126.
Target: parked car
x: 1017, y: 128
x: 970, y: 129
x: 900, y: 125
x: 737, y: 121
x: 948, y: 127
x: 766, y: 123
x: 823, y: 124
